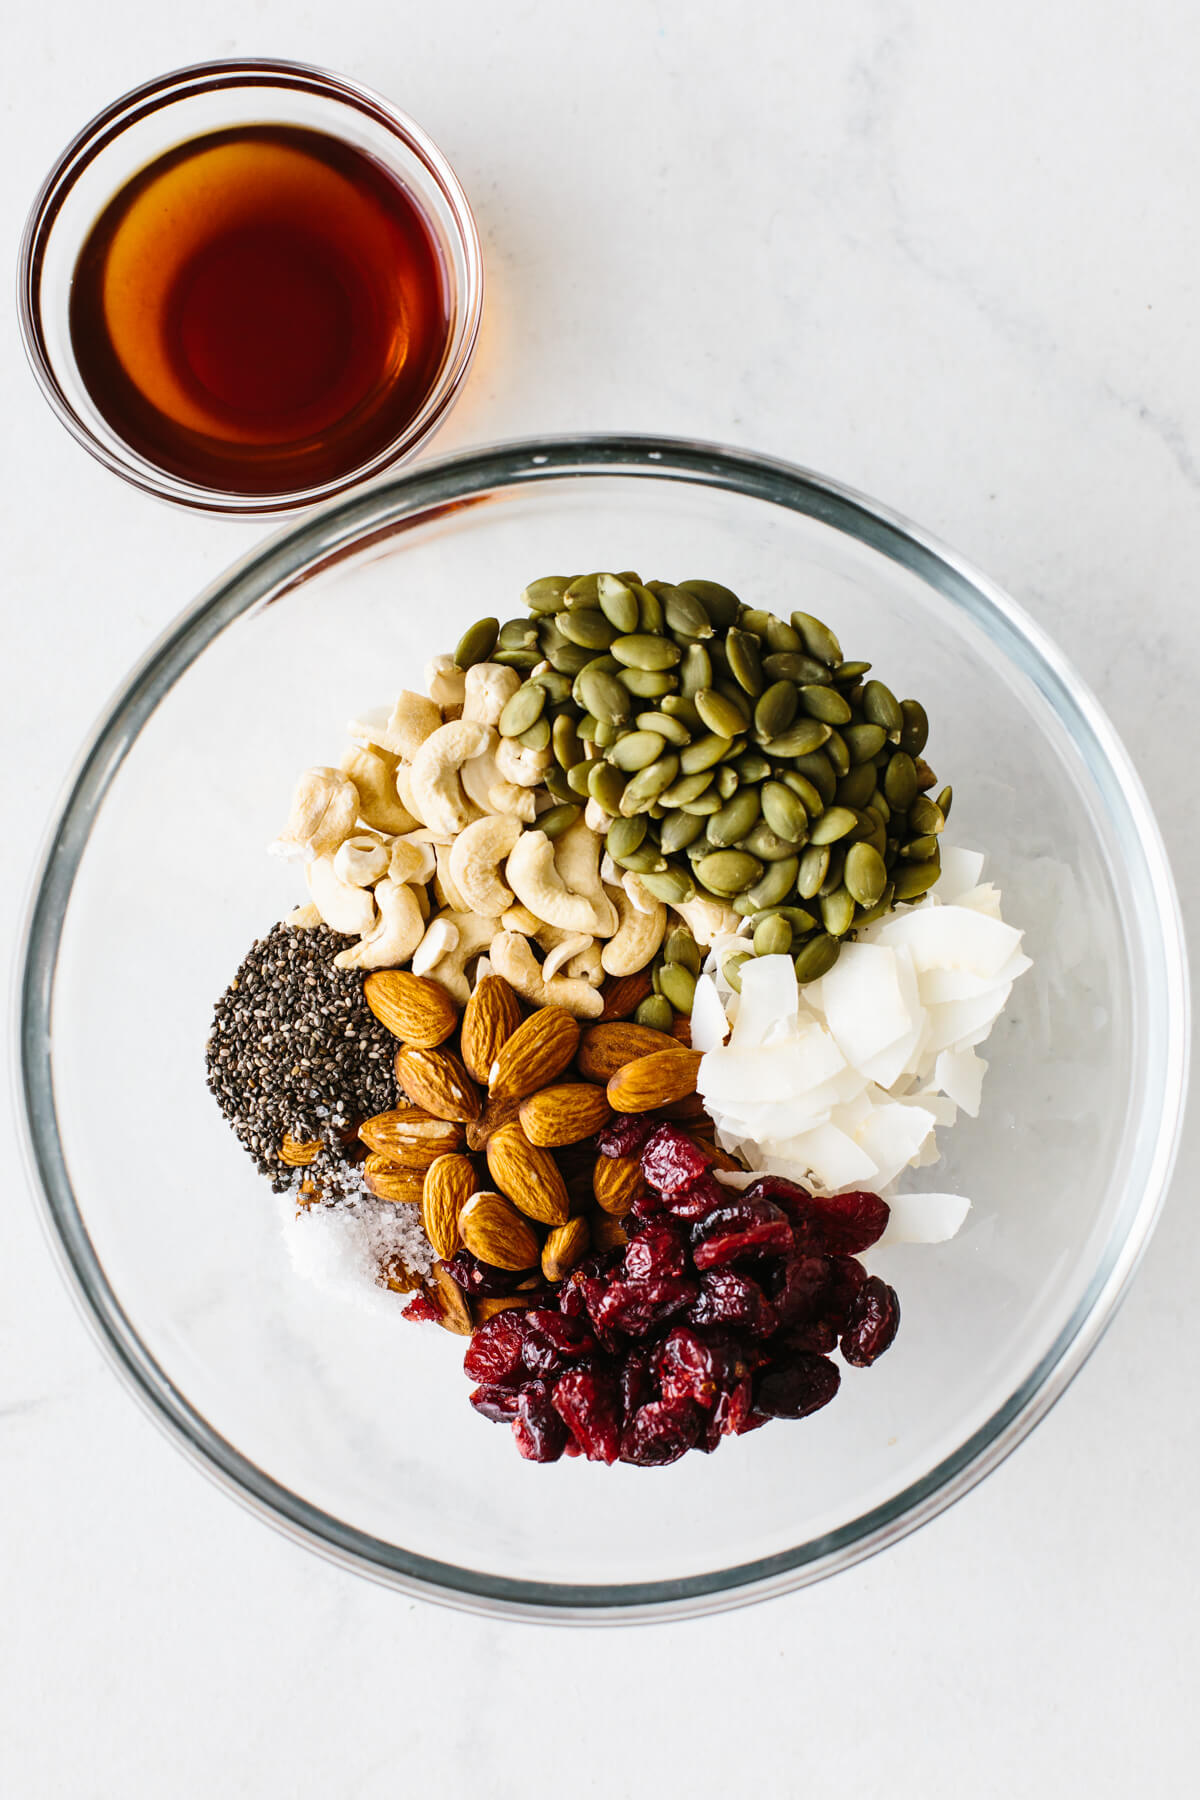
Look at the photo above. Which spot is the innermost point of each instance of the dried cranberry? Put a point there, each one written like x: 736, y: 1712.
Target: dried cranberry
x: 481, y: 1279
x: 819, y: 1335
x: 789, y: 1195
x: 800, y: 1386
x: 659, y: 1249
x: 846, y: 1277
x: 691, y: 1368
x: 421, y: 1311
x: 625, y: 1134
x: 551, y: 1341
x: 660, y: 1432
x: 540, y: 1434
x: 494, y: 1353
x: 637, y: 1379
x: 848, y: 1224
x: 727, y: 1297
x: 747, y: 1228
x: 798, y: 1287
x: 698, y: 1199
x: 873, y: 1322
x: 498, y: 1403
x: 646, y: 1205
x: 671, y: 1160
x: 571, y: 1303
x: 589, y: 1403
x: 635, y: 1307
x: 734, y: 1411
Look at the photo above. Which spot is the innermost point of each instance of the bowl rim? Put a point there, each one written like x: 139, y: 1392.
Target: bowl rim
x: 159, y: 94
x: 345, y: 527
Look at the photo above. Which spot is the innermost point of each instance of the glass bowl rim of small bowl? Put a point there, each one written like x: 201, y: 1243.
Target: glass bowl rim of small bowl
x: 260, y: 75
x: 350, y: 524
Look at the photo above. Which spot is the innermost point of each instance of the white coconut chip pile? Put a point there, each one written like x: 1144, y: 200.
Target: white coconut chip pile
x: 844, y: 1083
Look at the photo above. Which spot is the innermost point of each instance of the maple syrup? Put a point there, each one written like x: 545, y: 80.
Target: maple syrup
x: 260, y: 310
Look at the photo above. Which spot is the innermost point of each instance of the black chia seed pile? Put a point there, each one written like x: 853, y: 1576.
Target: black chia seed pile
x: 295, y: 1049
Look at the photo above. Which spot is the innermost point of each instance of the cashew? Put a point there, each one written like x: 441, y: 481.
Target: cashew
x: 324, y: 808
x: 585, y: 965
x: 488, y: 789
x: 440, y: 939
x: 512, y: 957
x: 403, y: 730
x: 520, y: 765
x: 403, y: 781
x: 396, y: 935
x: 436, y: 787
x: 475, y: 857
x: 596, y: 819
x: 571, y: 945
x: 447, y: 685
x: 345, y: 908
x: 304, y: 918
x: 482, y: 967
x: 610, y: 872
x: 412, y: 859
x: 488, y: 687
x: 540, y: 883
x: 639, y: 895
x: 422, y: 894
x: 577, y: 859
x: 521, y: 920
x: 445, y: 887
x: 637, y: 937
x: 373, y: 773
x: 362, y: 860
x: 474, y: 936
x: 707, y: 919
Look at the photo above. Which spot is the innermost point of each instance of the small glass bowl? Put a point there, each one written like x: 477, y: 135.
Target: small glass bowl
x: 171, y: 110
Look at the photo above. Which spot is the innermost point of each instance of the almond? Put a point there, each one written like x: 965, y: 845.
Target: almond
x: 653, y: 1081
x: 397, y: 1182
x: 688, y: 1111
x: 536, y: 1052
x: 411, y: 1136
x: 565, y: 1114
x: 495, y: 1114
x: 437, y: 1080
x: 607, y: 1233
x: 606, y: 1048
x: 616, y: 1183
x: 564, y: 1247
x: 417, y: 1011
x: 623, y: 994
x: 681, y: 1031
x: 487, y: 1309
x: 398, y: 1276
x: 493, y: 1230
x: 450, y: 1301
x: 529, y: 1176
x: 493, y: 1014
x: 297, y: 1153
x: 448, y: 1185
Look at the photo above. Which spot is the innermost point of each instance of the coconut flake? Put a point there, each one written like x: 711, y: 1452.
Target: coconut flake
x: 924, y: 1218
x: 710, y: 1027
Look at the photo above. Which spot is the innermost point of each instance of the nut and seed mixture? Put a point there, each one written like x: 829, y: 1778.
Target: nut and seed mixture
x: 296, y: 1051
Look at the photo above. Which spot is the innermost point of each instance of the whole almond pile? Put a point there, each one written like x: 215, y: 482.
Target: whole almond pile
x: 493, y: 1138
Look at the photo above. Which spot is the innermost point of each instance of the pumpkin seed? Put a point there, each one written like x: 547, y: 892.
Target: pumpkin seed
x: 925, y: 775
x: 726, y: 781
x: 735, y: 819
x: 751, y: 766
x: 537, y: 737
x: 673, y: 730
x: 837, y: 912
x: 784, y: 811
x: 517, y: 634
x: 719, y: 714
x: 587, y: 628
x: 477, y: 643
x: 625, y: 836
x: 864, y: 741
x: 793, y: 666
x: 741, y: 650
x: 678, y: 706
x: 767, y: 845
x: 671, y: 886
x: 618, y: 603
x: 606, y: 787
x: 656, y: 1013
x: 944, y: 801
x: 781, y: 637
x: 826, y: 704
x: 564, y: 741
x: 900, y: 781
x: 833, y: 877
x: 688, y: 787
x: 818, y: 769
x: 850, y: 673
x: 604, y: 695
x: 773, y: 937
x: 606, y: 734
x: 914, y: 729
x: 818, y: 640
x: 583, y: 591
x: 557, y: 819
x: 731, y: 969
x: 646, y: 861
x: 777, y: 883
x: 546, y: 594
x: 683, y: 614
x: 776, y: 709
x: 679, y: 829
x: 650, y: 612
x: 703, y: 805
x: 567, y: 658
x: 838, y: 753
x: 920, y: 849
x: 681, y: 947
x: 649, y: 783
x: 816, y: 958
x: 805, y: 791
x: 796, y: 916
x: 925, y: 815
x: 644, y: 651
x: 728, y: 871
x: 882, y: 905
x: 881, y: 707
x: 645, y: 684
x: 856, y: 787
x: 678, y: 985
x: 720, y: 603
x: 696, y: 671
x: 636, y: 750
x: 753, y: 618
x: 814, y: 866
x: 556, y: 784
x: 523, y: 710
x: 864, y: 874
x: 800, y: 739
x: 556, y: 687
x: 579, y: 777
x: 521, y: 660
x: 914, y: 879
x: 879, y: 806
x: 705, y: 753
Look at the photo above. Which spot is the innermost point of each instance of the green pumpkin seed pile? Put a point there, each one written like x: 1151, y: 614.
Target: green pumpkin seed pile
x: 738, y: 756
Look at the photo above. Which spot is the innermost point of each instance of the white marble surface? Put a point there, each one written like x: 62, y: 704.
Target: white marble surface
x: 947, y: 253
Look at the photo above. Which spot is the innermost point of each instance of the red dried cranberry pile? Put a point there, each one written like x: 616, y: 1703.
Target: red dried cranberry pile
x: 719, y: 1314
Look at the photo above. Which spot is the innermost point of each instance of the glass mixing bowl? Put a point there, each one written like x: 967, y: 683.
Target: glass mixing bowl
x: 349, y: 1428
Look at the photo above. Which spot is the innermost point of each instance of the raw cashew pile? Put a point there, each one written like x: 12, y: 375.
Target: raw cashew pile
x: 424, y: 845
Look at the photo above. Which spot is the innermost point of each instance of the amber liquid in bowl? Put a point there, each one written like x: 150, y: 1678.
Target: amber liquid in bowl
x: 260, y: 310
